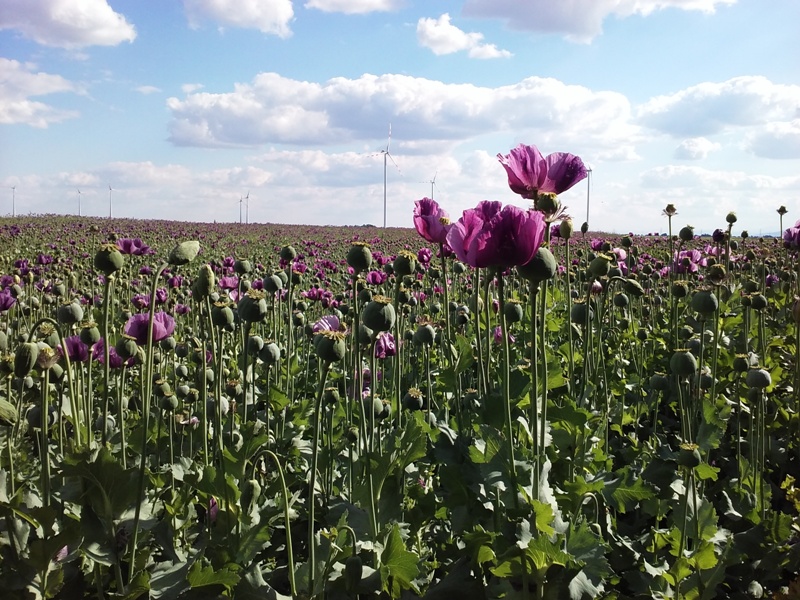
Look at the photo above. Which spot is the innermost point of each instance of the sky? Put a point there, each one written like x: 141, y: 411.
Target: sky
x: 281, y: 111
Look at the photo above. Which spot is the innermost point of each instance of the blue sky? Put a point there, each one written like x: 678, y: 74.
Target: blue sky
x: 183, y: 108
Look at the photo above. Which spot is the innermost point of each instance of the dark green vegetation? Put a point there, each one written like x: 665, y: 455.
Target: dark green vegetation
x: 248, y: 417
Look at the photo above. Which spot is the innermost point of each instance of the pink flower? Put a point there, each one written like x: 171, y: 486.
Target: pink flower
x: 530, y: 173
x: 430, y: 221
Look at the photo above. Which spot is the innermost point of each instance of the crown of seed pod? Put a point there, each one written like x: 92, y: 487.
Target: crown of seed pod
x: 413, y: 399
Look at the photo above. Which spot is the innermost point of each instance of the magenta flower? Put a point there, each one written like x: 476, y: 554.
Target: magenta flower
x: 327, y: 323
x: 431, y: 222
x: 491, y: 236
x: 791, y: 237
x: 134, y: 246
x: 137, y: 327
x: 76, y: 349
x: 7, y: 301
x: 385, y: 345
x: 530, y: 173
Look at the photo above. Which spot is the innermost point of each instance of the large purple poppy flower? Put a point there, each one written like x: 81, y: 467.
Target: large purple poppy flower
x: 530, y: 173
x: 430, y: 221
x: 137, y: 327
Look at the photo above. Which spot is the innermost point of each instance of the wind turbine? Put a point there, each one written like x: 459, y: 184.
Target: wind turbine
x: 386, y: 156
x: 433, y: 183
x: 588, y: 189
x: 13, y: 200
x: 79, y: 201
x: 110, y: 189
x: 246, y: 201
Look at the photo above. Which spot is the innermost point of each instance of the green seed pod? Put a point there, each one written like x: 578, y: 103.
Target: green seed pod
x: 184, y: 253
x: 25, y: 358
x: 689, y: 456
x: 126, y: 347
x: 70, y: 313
x: 413, y: 399
x: 513, y: 311
x: 221, y: 315
x: 659, y: 382
x: 578, y: 313
x: 600, y: 265
x: 359, y: 256
x: 273, y: 283
x: 330, y: 346
x: 683, y: 363
x: 758, y: 378
x: 253, y: 307
x: 541, y: 267
x: 405, y: 263
x: 330, y: 396
x: 680, y: 289
x: 425, y: 334
x: 705, y: 302
x: 270, y: 353
x: 205, y: 284
x: 379, y: 314
x: 169, y: 402
x: 686, y: 233
x: 288, y: 253
x: 621, y: 300
x: 108, y: 259
x: 634, y: 288
x: 242, y: 267
x: 759, y: 302
x: 566, y: 228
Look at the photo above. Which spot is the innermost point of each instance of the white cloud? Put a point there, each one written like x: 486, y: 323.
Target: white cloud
x: 442, y: 37
x: 355, y: 7
x: 188, y: 88
x: 19, y: 83
x: 706, y: 181
x: 147, y: 89
x: 66, y: 23
x: 579, y: 20
x: 710, y: 108
x: 776, y: 140
x: 271, y: 17
x: 695, y: 149
x: 276, y: 110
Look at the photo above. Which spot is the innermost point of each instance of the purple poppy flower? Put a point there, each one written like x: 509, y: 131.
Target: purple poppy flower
x: 213, y: 509
x: 498, y: 336
x: 76, y: 349
x: 140, y: 301
x: 134, y: 246
x: 530, y: 173
x: 424, y: 256
x: 791, y: 237
x: 228, y: 283
x: 327, y: 323
x: 430, y: 221
x: 385, y: 345
x: 491, y: 236
x: 7, y: 301
x: 114, y: 359
x: 137, y: 327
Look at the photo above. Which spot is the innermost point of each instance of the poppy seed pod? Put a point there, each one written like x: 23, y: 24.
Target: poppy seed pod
x: 242, y: 267
x: 585, y: 228
x: 730, y: 218
x: 621, y: 300
x: 425, y: 334
x: 359, y: 256
x: 221, y: 315
x: 108, y: 259
x: 254, y: 345
x: 405, y: 263
x: 270, y: 353
x: 70, y: 313
x: 689, y: 455
x: 659, y: 382
x: 379, y: 314
x: 364, y: 334
x: 686, y: 233
x: 759, y: 302
x: 184, y: 253
x: 273, y: 283
x: 330, y: 346
x: 253, y: 307
x: 566, y: 228
x: 705, y: 302
x: 758, y: 378
x: 126, y: 347
x: 683, y: 363
x: 25, y: 358
x: 288, y: 253
x: 578, y: 312
x: 539, y: 268
x: 413, y: 400
x: 331, y: 396
x: 512, y: 311
x: 600, y: 265
x: 741, y: 363
x: 205, y: 283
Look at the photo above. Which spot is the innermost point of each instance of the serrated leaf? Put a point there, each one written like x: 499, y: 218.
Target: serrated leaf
x: 401, y: 565
x: 201, y: 576
x: 625, y: 492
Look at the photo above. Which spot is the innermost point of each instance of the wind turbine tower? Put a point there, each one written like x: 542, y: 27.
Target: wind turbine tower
x: 110, y: 189
x: 13, y: 201
x: 386, y: 157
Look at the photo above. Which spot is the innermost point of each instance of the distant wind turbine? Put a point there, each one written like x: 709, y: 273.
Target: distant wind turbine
x: 386, y: 156
x: 110, y: 189
x: 432, y: 182
x: 13, y: 201
x: 588, y: 189
x: 246, y: 201
x: 79, y: 201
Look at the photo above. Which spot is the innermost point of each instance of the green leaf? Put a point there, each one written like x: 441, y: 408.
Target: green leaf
x: 200, y: 576
x: 544, y: 517
x: 706, y: 471
x: 401, y: 565
x: 625, y: 492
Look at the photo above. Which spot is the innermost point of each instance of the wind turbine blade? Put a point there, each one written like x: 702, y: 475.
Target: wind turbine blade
x: 389, y: 139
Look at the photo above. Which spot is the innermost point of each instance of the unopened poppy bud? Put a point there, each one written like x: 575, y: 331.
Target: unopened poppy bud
x: 731, y: 218
x: 566, y: 228
x: 405, y: 263
x: 585, y: 227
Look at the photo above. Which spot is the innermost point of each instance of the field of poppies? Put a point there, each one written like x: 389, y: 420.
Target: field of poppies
x: 497, y: 406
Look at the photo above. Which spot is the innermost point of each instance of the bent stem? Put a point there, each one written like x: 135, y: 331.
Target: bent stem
x: 287, y: 524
